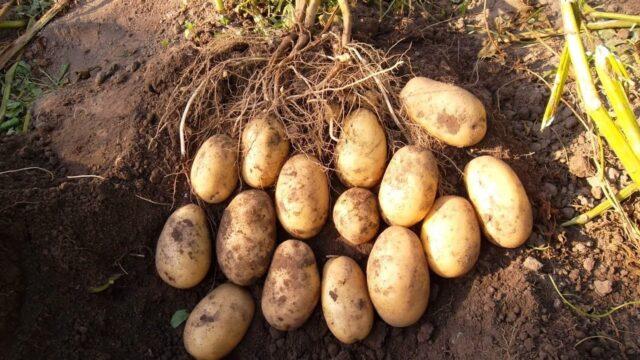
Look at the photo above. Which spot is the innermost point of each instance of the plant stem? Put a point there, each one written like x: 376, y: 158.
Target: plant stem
x: 12, y: 24
x: 6, y: 89
x: 346, y: 21
x: 5, y: 8
x: 558, y: 87
x: 610, y: 24
x: 602, y: 207
x: 219, y: 4
x: 588, y: 10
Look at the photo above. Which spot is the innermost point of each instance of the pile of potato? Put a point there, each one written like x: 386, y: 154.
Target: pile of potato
x: 397, y: 278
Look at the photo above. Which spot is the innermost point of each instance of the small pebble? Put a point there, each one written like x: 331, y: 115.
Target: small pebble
x: 603, y: 288
x: 588, y: 264
x: 532, y: 264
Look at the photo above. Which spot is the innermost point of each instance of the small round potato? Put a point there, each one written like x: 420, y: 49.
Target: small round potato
x: 500, y: 201
x: 214, y: 172
x: 451, y: 236
x: 345, y: 300
x: 183, y: 253
x: 398, y: 277
x: 356, y: 215
x: 218, y: 323
x: 409, y: 186
x: 292, y: 288
x: 246, y: 237
x: 265, y: 148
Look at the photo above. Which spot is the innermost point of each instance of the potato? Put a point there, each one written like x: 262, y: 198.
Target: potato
x: 500, y: 201
x: 356, y: 215
x: 361, y: 152
x: 265, y: 148
x: 218, y: 323
x: 302, y: 197
x: 183, y: 253
x: 345, y: 300
x: 447, y: 112
x: 246, y: 237
x: 451, y: 236
x: 409, y: 186
x: 292, y: 288
x: 398, y: 277
x: 214, y: 172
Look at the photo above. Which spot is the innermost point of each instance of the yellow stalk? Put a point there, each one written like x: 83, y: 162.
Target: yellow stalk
x: 588, y: 10
x: 602, y: 207
x: 556, y: 90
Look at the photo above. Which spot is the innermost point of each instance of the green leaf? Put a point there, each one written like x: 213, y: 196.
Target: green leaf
x: 112, y: 279
x: 179, y: 317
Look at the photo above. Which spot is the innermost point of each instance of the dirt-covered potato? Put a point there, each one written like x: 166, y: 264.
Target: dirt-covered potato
x: 183, y: 253
x: 292, y: 288
x: 218, y: 323
x: 356, y: 215
x: 500, y: 201
x: 361, y: 152
x: 398, y: 277
x: 448, y: 112
x: 345, y: 300
x: 265, y: 147
x: 214, y: 172
x: 302, y: 196
x: 246, y: 237
x: 409, y: 186
x: 451, y: 236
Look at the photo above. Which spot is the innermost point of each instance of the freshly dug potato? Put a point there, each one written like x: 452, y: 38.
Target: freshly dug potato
x: 451, y: 236
x: 183, y: 253
x: 398, y: 277
x: 409, y: 186
x: 500, y: 201
x: 345, y: 300
x: 356, y: 215
x: 302, y: 196
x: 361, y: 152
x: 246, y: 237
x: 265, y: 148
x: 218, y: 323
x: 447, y: 112
x: 292, y: 288
x: 214, y: 172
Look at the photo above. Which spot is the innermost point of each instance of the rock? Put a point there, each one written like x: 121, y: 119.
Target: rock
x: 580, y: 248
x: 579, y: 165
x: 596, y: 192
x: 603, y: 288
x: 574, y: 275
x: 425, y: 332
x: 588, y: 264
x: 532, y: 264
x: 613, y: 174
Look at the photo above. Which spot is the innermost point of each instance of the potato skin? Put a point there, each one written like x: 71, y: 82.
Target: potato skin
x: 214, y: 172
x: 356, y: 215
x: 398, y: 277
x: 183, y: 252
x: 292, y: 288
x: 409, y: 186
x: 345, y: 300
x: 500, y: 201
x: 451, y: 236
x: 361, y: 152
x: 448, y: 112
x: 246, y: 237
x: 302, y: 197
x: 265, y: 147
x: 219, y: 322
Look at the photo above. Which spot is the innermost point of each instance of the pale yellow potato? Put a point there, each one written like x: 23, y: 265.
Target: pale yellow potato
x: 398, y: 277
x: 265, y: 147
x: 409, y: 186
x: 451, y: 236
x: 361, y: 152
x: 218, y: 323
x: 447, y: 112
x: 214, y: 172
x: 246, y: 237
x: 345, y: 300
x: 302, y: 196
x: 500, y: 201
x: 356, y: 216
x: 292, y: 288
x: 183, y: 252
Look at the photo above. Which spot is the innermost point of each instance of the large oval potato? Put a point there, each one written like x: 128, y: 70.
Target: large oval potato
x: 448, y: 112
x: 183, y: 253
x: 345, y: 300
x: 218, y: 323
x: 302, y: 196
x: 356, y: 215
x: 292, y: 288
x: 398, y: 277
x: 500, y: 201
x: 246, y: 237
x: 214, y: 172
x: 361, y: 152
x: 409, y: 186
x: 451, y: 236
x: 265, y: 148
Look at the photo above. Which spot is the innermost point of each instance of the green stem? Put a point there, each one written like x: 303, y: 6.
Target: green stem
x: 6, y: 89
x: 602, y: 207
x: 588, y: 10
x: 12, y: 24
x: 610, y: 24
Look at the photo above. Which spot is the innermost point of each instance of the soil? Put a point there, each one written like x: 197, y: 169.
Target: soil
x: 98, y: 206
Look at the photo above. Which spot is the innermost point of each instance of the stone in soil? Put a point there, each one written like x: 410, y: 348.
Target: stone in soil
x: 532, y: 264
x: 588, y: 264
x: 603, y: 288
